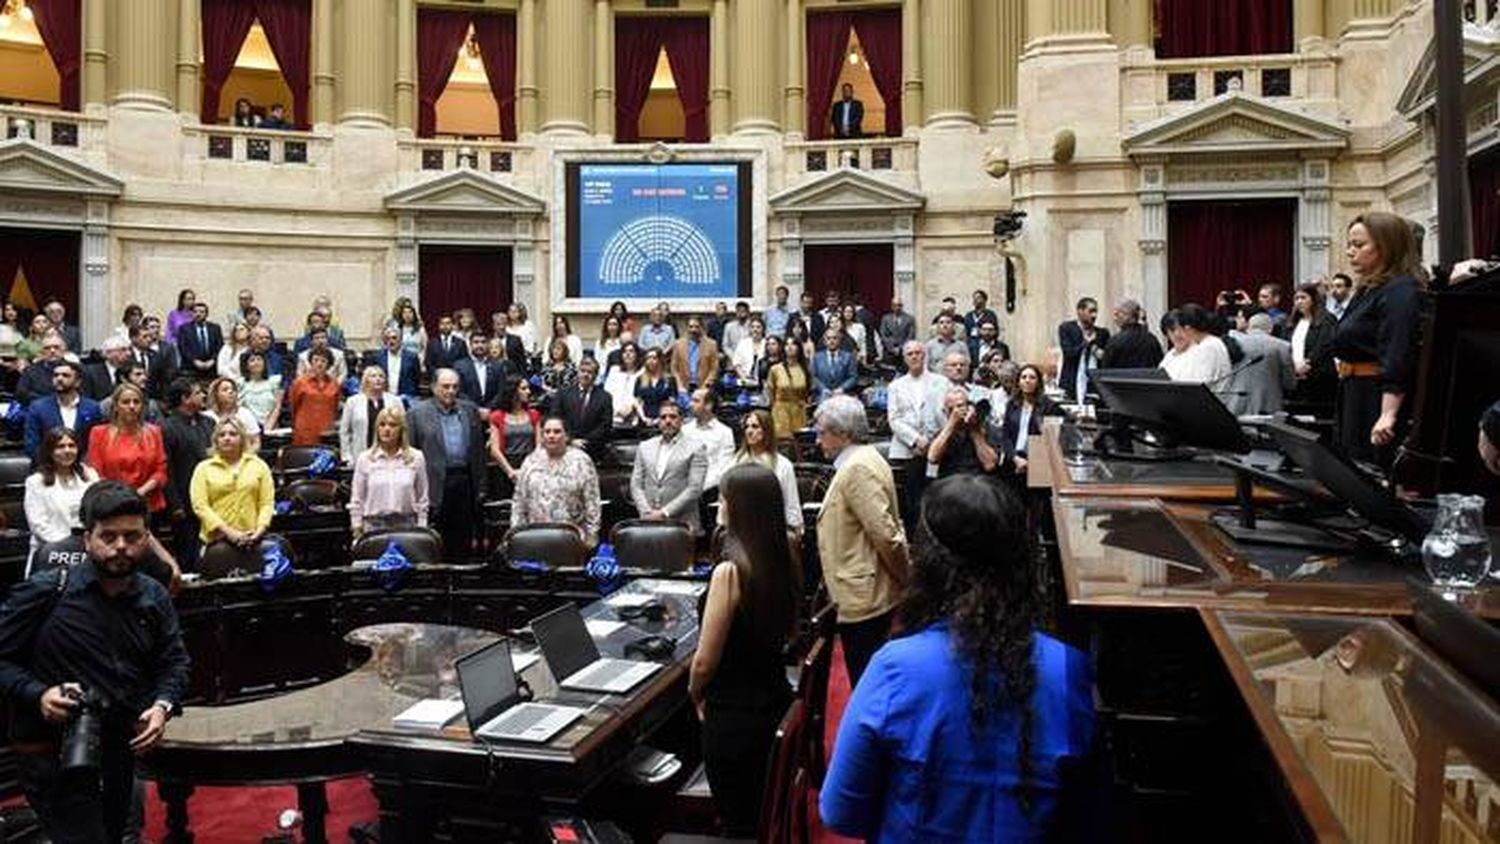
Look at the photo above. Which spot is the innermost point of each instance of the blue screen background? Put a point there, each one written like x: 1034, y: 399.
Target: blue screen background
x: 658, y: 231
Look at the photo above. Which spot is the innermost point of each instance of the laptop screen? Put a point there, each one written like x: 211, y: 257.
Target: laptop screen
x: 487, y: 679
x: 565, y: 641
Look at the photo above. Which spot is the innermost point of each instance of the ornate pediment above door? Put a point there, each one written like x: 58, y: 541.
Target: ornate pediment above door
x: 1238, y: 125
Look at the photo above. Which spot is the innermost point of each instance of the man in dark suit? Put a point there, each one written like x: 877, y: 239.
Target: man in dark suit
x: 160, y: 368
x: 66, y: 407
x: 481, y: 378
x: 445, y: 349
x: 981, y: 312
x: 99, y: 379
x: 199, y: 342
x: 450, y: 433
x: 587, y: 410
x: 848, y: 115
x: 1132, y: 346
x: 834, y: 371
x: 402, y: 367
x: 986, y: 340
x: 1082, y: 343
x: 36, y: 379
x: 513, y: 347
x: 58, y: 316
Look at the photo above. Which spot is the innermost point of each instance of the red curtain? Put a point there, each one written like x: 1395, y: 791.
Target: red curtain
x: 225, y: 24
x: 880, y: 35
x: 440, y: 33
x: 50, y: 261
x: 288, y: 26
x: 686, y: 40
x: 827, y: 39
x: 60, y: 23
x: 638, y: 42
x: 496, y: 35
x: 453, y: 277
x: 866, y: 268
x: 1484, y: 204
x: 1194, y: 28
x: 1215, y: 246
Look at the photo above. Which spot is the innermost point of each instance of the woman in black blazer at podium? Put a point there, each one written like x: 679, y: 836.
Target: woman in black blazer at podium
x: 1023, y: 419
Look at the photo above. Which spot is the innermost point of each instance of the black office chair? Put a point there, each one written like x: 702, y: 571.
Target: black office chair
x: 420, y: 545
x: 659, y: 545
x: 315, y: 494
x: 294, y: 460
x: 14, y: 468
x: 221, y: 559
x: 558, y: 544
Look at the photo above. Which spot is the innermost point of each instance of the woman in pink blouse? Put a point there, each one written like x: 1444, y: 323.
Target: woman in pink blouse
x: 390, y: 480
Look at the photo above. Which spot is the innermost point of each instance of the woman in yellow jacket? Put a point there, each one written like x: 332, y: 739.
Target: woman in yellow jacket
x: 232, y: 491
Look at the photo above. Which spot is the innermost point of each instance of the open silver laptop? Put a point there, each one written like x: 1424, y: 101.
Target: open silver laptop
x: 574, y: 658
x: 492, y: 700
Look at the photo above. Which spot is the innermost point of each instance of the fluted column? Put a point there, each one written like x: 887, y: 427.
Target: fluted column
x: 1130, y: 22
x: 1365, y: 9
x: 604, y: 69
x: 566, y: 66
x: 911, y: 65
x: 794, y: 108
x: 364, y: 66
x: 1010, y: 43
x: 947, y: 51
x: 322, y: 62
x: 1071, y: 21
x: 406, y: 57
x: 756, y: 40
x: 95, y: 53
x: 145, y: 44
x: 1309, y: 20
x: 986, y: 52
x: 188, y: 97
x: 526, y: 90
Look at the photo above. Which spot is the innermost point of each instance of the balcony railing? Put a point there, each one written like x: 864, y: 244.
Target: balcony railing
x: 269, y: 147
x: 52, y: 127
x: 899, y: 154
x: 1158, y: 87
x: 440, y: 154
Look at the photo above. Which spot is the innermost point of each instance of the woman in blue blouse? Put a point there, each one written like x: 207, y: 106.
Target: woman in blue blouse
x: 964, y: 728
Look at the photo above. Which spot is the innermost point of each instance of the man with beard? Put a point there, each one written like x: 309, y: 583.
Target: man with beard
x: 99, y: 631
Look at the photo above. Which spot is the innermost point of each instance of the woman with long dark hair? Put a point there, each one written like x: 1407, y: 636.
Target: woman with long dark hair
x: 1023, y: 418
x: 1312, y: 356
x: 787, y: 385
x: 962, y: 727
x: 55, y: 490
x: 654, y: 386
x: 186, y: 299
x: 737, y: 681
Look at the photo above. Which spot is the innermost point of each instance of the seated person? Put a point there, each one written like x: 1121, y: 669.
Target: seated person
x: 834, y: 370
x: 968, y: 723
x: 232, y: 493
x: 667, y: 478
x: 557, y: 483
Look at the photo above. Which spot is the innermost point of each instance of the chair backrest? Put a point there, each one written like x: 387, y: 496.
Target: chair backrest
x: 14, y: 469
x: 812, y: 481
x: 812, y: 690
x: 785, y: 796
x: 420, y: 545
x: 296, y: 458
x: 558, y: 544
x: 221, y: 559
x: 660, y: 545
x: 315, y: 493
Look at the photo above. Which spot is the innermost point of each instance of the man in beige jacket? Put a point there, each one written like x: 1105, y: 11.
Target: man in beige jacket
x: 860, y: 538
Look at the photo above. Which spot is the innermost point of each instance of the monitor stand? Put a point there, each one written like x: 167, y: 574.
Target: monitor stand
x: 1242, y: 525
x: 1119, y: 442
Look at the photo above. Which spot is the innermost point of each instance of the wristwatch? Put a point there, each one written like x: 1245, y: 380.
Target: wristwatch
x: 166, y: 709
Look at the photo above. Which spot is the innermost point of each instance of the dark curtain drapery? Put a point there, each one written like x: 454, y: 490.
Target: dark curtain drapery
x: 1484, y: 204
x: 50, y: 261
x: 1216, y: 246
x: 225, y: 24
x: 686, y: 40
x: 827, y: 38
x: 453, y: 277
x: 496, y: 35
x: 440, y: 32
x: 880, y: 35
x: 638, y: 42
x: 867, y: 269
x: 60, y: 23
x: 288, y: 26
x: 1194, y: 28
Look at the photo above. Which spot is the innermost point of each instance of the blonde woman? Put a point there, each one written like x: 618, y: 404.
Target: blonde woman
x: 232, y: 492
x: 130, y: 450
x: 224, y: 403
x: 390, y: 480
x: 357, y: 422
x: 235, y: 345
x: 759, y: 446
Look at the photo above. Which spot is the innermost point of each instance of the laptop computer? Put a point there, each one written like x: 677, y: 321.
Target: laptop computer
x: 492, y: 700
x: 574, y: 658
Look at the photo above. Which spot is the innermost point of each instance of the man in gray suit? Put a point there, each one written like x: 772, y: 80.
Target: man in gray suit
x: 450, y: 433
x: 1265, y: 374
x: 669, y: 471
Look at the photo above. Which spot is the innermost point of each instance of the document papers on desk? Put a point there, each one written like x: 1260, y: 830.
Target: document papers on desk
x: 429, y: 714
x: 600, y: 628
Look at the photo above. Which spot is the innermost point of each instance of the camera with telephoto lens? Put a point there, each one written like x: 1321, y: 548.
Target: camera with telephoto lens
x: 83, y: 732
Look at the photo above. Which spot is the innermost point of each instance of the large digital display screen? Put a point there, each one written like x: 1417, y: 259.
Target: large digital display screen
x: 658, y: 231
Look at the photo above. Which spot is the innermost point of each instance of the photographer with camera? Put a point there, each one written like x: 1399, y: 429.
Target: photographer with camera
x: 960, y: 447
x: 93, y: 664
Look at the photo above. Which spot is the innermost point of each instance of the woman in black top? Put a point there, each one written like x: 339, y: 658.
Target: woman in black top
x: 738, y: 681
x: 1376, y: 340
x: 1310, y: 328
x: 1027, y: 405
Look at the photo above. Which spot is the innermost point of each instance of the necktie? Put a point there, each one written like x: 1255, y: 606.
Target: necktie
x: 203, y: 336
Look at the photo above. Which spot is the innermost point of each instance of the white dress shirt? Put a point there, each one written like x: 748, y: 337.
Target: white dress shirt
x: 718, y: 446
x: 1299, y: 341
x: 392, y: 369
x: 1206, y: 361
x: 52, y: 511
x: 906, y: 402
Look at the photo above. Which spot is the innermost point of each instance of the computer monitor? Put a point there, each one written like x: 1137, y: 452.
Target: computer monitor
x: 1348, y: 482
x: 1181, y: 413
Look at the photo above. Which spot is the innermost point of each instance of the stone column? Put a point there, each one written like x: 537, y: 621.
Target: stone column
x: 364, y: 67
x: 1365, y: 9
x: 1130, y: 22
x: 1066, y: 20
x: 985, y: 49
x: 322, y: 63
x: 911, y: 65
x: 604, y: 69
x: 95, y: 309
x: 406, y: 57
x: 189, y: 96
x: 756, y: 45
x: 526, y: 90
x: 1309, y: 20
x: 947, y: 49
x: 794, y: 110
x: 1010, y: 43
x: 144, y: 41
x: 95, y: 54
x: 566, y: 67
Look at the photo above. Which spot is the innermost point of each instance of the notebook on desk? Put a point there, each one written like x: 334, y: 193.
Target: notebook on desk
x: 574, y: 659
x: 492, y: 700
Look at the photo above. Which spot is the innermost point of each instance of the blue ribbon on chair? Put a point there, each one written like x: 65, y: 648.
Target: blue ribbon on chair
x: 284, y: 507
x: 15, y: 416
x: 731, y: 381
x: 391, y: 567
x: 531, y: 566
x: 877, y: 398
x: 277, y: 567
x: 323, y: 464
x: 604, y: 569
x: 742, y: 400
x: 684, y: 401
x: 535, y: 381
x: 703, y: 568
x: 351, y: 386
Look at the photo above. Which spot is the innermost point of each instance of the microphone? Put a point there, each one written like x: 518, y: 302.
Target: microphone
x: 1241, y: 367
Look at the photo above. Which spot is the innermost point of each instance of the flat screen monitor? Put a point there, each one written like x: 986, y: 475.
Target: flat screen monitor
x: 638, y: 230
x: 1182, y: 413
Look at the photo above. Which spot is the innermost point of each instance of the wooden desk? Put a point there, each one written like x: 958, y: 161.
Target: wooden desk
x: 1378, y: 739
x: 1092, y: 476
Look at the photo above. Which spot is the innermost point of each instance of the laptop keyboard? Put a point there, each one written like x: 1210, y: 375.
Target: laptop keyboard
x: 522, y: 719
x: 604, y: 673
